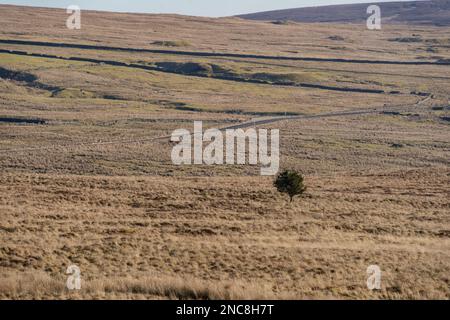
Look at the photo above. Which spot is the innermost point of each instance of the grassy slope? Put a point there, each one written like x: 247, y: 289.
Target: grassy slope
x: 140, y: 227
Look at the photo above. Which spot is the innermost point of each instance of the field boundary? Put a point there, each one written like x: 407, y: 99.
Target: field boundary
x: 216, y: 54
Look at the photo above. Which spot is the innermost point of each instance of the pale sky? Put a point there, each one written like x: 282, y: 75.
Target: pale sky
x: 208, y: 8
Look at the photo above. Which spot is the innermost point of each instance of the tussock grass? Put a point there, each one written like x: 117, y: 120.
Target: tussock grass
x: 39, y: 284
x: 141, y: 228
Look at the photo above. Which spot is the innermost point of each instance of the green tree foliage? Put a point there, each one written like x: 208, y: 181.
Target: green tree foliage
x: 290, y: 182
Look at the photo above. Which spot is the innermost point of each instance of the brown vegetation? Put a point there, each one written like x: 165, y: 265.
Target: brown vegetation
x: 83, y: 181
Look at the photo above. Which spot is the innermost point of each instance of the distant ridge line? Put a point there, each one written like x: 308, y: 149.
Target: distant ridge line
x: 429, y: 12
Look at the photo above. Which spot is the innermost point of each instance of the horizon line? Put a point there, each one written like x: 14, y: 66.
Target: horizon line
x: 204, y: 16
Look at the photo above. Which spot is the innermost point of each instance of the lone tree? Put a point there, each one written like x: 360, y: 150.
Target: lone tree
x: 290, y: 182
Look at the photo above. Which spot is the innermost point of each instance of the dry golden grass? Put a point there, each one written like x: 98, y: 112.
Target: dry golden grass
x: 40, y: 285
x: 141, y: 228
x: 232, y: 229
